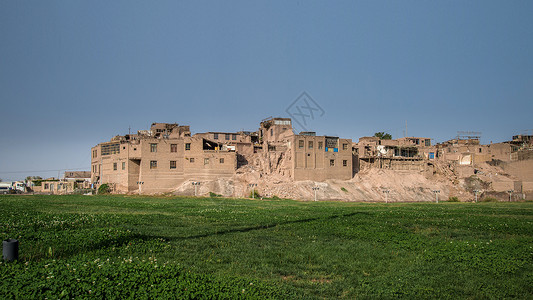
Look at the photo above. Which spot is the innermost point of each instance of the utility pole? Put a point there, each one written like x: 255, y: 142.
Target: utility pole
x: 316, y: 188
x: 252, y: 185
x: 436, y: 195
x: 386, y: 192
x: 195, y: 184
x: 475, y: 193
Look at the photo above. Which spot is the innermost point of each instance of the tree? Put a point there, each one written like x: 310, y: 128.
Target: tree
x: 383, y: 136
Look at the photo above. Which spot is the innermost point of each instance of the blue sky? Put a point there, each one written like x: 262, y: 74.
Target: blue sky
x: 75, y: 73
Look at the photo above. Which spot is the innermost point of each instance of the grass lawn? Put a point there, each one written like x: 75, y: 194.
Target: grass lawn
x: 156, y: 247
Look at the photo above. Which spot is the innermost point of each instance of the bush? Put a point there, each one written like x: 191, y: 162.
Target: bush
x: 255, y: 194
x: 103, y: 189
x: 489, y: 199
x: 214, y: 195
x: 276, y: 198
x: 453, y: 199
x: 344, y: 190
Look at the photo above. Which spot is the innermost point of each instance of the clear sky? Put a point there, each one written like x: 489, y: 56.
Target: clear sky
x: 76, y: 73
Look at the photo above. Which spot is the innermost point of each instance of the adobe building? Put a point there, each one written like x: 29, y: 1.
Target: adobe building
x: 161, y: 159
x: 312, y: 157
x: 408, y: 153
x: 319, y: 158
x: 158, y: 160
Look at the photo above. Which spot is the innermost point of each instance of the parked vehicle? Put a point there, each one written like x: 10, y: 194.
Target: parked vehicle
x: 6, y: 188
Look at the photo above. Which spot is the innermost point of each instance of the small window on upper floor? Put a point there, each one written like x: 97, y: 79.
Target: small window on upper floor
x: 188, y: 146
x: 215, y: 136
x: 344, y: 146
x: 173, y: 147
x: 221, y: 160
x: 153, y: 147
x: 310, y: 144
x: 331, y: 162
x: 172, y: 164
x: 114, y: 166
x: 226, y: 136
x: 320, y: 144
x: 234, y: 137
x: 301, y: 144
x: 153, y: 164
x: 123, y: 165
x: 344, y: 163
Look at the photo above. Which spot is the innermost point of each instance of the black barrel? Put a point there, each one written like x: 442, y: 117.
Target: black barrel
x: 10, y: 249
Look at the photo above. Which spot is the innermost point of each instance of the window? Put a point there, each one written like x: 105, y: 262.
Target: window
x: 331, y: 162
x: 226, y: 136
x: 95, y: 153
x: 215, y: 136
x: 153, y: 164
x: 110, y: 149
x: 301, y: 144
x: 188, y: 146
x: 114, y: 166
x: 173, y: 147
x: 344, y: 146
x: 271, y: 132
x: 123, y: 165
x: 310, y: 144
x: 282, y: 122
x: 320, y: 144
x: 344, y: 163
x: 153, y: 147
x: 206, y: 161
x: 191, y: 160
x: 221, y: 160
x: 234, y: 137
x: 46, y: 186
x: 172, y: 164
x: 428, y: 142
x: 479, y: 150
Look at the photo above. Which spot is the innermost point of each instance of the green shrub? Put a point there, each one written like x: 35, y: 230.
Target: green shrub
x: 453, y: 199
x: 214, y: 195
x: 103, y: 189
x: 344, y: 190
x: 276, y: 197
x: 254, y: 193
x: 489, y: 199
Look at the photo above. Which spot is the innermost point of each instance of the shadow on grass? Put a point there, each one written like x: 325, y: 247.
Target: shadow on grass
x: 254, y: 228
x: 90, y: 246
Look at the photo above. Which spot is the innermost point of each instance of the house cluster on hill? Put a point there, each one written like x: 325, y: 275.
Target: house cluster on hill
x: 162, y: 158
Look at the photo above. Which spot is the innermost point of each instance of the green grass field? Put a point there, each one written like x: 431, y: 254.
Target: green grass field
x: 169, y: 247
